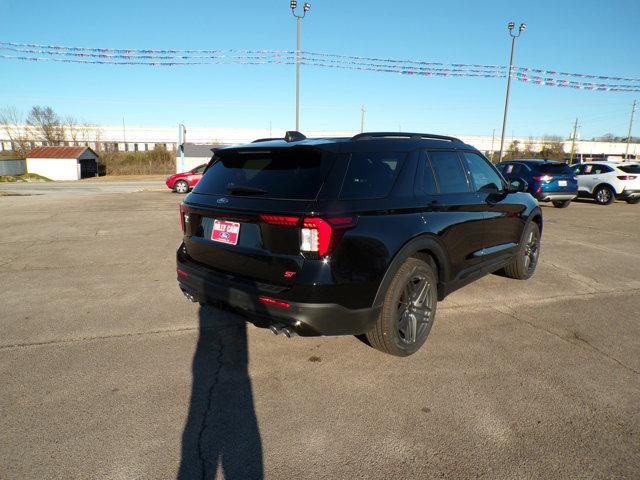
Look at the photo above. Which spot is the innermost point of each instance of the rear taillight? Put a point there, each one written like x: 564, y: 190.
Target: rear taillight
x: 317, y: 235
x: 627, y: 177
x: 184, y: 217
x: 281, y: 220
x: 543, y: 178
x: 321, y: 235
x: 575, y: 178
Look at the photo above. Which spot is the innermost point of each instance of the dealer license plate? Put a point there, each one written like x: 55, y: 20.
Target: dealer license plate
x: 225, y: 232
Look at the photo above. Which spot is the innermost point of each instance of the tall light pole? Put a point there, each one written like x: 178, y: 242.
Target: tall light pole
x: 513, y: 35
x: 306, y: 7
x: 626, y: 151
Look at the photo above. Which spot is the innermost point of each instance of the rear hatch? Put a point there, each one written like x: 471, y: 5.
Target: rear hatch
x: 630, y: 177
x: 556, y: 177
x: 244, y: 214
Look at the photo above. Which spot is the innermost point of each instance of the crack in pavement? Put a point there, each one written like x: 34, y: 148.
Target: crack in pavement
x: 582, y: 341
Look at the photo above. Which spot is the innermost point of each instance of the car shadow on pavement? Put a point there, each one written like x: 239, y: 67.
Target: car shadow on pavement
x: 221, y: 430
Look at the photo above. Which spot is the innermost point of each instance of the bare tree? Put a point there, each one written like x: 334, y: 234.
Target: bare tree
x: 45, y: 125
x: 12, y: 122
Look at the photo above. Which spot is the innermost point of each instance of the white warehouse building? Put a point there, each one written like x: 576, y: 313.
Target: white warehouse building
x: 140, y: 138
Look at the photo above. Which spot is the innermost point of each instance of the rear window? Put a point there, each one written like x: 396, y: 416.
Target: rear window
x: 630, y: 168
x: 371, y: 175
x: 291, y: 173
x: 557, y: 168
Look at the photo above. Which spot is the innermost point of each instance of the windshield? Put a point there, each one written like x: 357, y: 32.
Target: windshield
x: 291, y: 173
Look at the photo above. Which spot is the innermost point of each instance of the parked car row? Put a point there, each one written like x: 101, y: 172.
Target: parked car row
x: 560, y: 183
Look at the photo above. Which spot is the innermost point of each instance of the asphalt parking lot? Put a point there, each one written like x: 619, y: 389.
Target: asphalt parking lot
x: 108, y: 372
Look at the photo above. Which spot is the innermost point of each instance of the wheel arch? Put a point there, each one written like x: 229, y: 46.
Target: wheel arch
x: 424, y: 246
x: 604, y: 184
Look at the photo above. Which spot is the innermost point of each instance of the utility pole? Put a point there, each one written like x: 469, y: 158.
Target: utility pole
x: 510, y: 26
x: 493, y: 137
x: 182, y: 134
x: 573, y: 141
x: 362, y: 110
x: 124, y: 132
x: 305, y: 9
x: 626, y: 151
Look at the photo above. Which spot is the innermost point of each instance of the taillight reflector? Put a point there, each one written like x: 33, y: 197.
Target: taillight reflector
x: 182, y: 273
x: 274, y: 302
x: 627, y: 177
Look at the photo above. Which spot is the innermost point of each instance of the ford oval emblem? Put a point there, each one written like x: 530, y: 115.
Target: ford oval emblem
x: 223, y: 200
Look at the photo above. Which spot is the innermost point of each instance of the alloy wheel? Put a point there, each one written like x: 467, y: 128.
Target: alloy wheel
x: 531, y: 250
x: 182, y: 187
x: 603, y: 195
x: 415, y: 308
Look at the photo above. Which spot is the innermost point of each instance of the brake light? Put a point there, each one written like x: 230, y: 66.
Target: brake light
x: 184, y: 217
x: 543, y: 178
x: 281, y: 220
x: 274, y: 302
x: 627, y: 177
x: 322, y: 235
x: 181, y: 273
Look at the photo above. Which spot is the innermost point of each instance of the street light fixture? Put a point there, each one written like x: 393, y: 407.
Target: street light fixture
x: 305, y: 8
x: 510, y: 27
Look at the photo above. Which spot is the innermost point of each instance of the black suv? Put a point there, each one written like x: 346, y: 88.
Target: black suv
x: 349, y: 236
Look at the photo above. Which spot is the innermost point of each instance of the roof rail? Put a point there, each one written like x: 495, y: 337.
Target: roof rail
x: 412, y: 136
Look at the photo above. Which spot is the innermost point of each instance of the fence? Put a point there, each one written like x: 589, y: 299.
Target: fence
x: 13, y: 167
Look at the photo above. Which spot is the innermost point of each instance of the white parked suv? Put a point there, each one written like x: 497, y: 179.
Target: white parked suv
x: 606, y: 181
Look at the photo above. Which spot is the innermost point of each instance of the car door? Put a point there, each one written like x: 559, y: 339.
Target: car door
x: 592, y: 175
x: 451, y: 209
x: 503, y: 222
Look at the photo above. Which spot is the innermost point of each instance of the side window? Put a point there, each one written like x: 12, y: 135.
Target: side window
x: 371, y: 175
x: 577, y: 169
x: 598, y: 169
x: 484, y: 177
x: 449, y: 172
x: 426, y: 181
x: 200, y: 169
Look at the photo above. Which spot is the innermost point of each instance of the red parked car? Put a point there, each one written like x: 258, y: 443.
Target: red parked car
x: 183, y: 182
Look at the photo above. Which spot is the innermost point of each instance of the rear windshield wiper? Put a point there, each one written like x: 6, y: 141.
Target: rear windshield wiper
x: 245, y: 190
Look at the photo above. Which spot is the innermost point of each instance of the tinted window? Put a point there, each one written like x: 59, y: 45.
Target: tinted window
x: 512, y: 169
x: 294, y: 173
x: 449, y: 173
x: 554, y: 168
x: 484, y: 177
x: 630, y: 168
x: 371, y: 175
x: 596, y: 169
x: 200, y: 169
x: 426, y: 183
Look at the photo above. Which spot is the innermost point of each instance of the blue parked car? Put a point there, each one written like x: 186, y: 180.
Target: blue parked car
x: 546, y: 180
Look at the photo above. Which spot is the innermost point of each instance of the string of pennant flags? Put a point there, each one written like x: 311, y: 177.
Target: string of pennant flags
x: 31, y: 52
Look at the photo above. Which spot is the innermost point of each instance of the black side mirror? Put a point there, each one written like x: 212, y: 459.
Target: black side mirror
x: 518, y: 185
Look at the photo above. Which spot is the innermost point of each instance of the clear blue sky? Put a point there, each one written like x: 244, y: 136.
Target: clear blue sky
x: 588, y: 36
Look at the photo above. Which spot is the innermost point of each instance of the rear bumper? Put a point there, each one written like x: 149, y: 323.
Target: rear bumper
x: 306, y: 319
x: 555, y: 196
x: 629, y: 194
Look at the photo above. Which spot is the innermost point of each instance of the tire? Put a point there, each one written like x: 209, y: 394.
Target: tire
x: 181, y: 187
x: 562, y: 203
x: 403, y: 327
x: 604, y: 195
x: 526, y: 260
x: 633, y: 201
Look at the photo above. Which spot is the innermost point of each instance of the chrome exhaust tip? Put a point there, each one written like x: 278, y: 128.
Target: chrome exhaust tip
x: 276, y: 329
x: 190, y: 296
x: 288, y: 332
